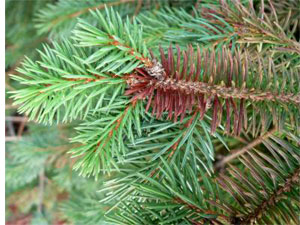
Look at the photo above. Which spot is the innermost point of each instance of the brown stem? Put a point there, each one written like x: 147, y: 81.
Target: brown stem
x: 199, y: 210
x: 85, y: 80
x: 237, y: 152
x: 275, y: 197
x: 138, y: 8
x: 21, y: 127
x: 115, y: 125
x: 222, y: 91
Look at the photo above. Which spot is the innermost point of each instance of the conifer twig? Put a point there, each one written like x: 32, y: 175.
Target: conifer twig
x: 138, y: 8
x: 224, y: 92
x: 199, y: 210
x: 237, y: 152
x: 272, y: 199
x: 78, y: 13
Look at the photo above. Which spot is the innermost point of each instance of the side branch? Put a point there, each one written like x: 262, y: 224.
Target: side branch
x: 294, y: 178
x: 201, y: 211
x: 85, y: 10
x: 235, y: 153
x: 144, y: 60
x: 84, y: 80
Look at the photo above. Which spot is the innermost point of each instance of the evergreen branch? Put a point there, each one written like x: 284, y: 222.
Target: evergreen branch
x: 287, y: 15
x: 57, y: 75
x: 76, y: 207
x: 177, y: 92
x: 237, y: 152
x: 21, y: 36
x: 66, y: 71
x: 272, y: 199
x: 229, y: 23
x: 253, y: 28
x: 29, y: 156
x: 177, y: 25
x: 63, y: 14
x: 201, y: 211
x: 244, y: 76
x: 98, y: 152
x: 171, y: 194
x: 264, y: 182
x: 152, y: 140
x: 222, y: 91
x: 121, y: 42
x: 85, y: 10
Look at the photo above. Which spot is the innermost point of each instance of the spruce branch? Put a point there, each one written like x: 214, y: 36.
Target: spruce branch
x: 98, y: 152
x: 228, y: 23
x: 264, y: 183
x: 174, y: 87
x: 222, y: 91
x: 287, y: 15
x: 238, y: 83
x: 57, y: 75
x: 272, y: 199
x: 85, y: 10
x: 120, y: 42
x: 63, y: 14
x: 30, y: 155
x: 179, y: 89
x: 253, y: 28
x: 237, y: 152
x: 209, y: 213
x: 21, y: 37
x: 229, y: 199
x: 154, y: 121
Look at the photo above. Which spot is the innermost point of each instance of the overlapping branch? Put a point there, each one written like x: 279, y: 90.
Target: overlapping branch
x: 217, y: 80
x: 273, y: 199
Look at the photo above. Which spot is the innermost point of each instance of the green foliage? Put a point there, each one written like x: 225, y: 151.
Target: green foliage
x: 93, y: 212
x: 27, y: 159
x: 103, y: 72
x: 60, y: 18
x: 57, y: 87
x: 187, y: 195
x: 37, y: 157
x: 21, y: 37
x: 123, y: 46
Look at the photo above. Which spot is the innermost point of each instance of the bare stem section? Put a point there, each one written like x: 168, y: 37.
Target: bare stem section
x: 188, y: 87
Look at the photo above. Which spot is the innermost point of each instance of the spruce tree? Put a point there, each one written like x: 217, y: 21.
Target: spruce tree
x: 179, y: 112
